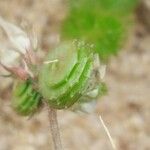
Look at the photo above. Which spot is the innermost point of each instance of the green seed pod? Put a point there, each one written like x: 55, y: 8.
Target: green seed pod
x: 63, y: 80
x: 25, y: 99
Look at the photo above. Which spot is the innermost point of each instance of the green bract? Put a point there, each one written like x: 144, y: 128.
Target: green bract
x: 25, y: 99
x: 63, y: 82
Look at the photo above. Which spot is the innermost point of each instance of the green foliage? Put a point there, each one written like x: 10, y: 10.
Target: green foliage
x: 25, y: 99
x: 119, y: 7
x: 101, y: 22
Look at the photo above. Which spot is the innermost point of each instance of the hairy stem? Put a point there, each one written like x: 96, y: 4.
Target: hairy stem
x: 52, y: 113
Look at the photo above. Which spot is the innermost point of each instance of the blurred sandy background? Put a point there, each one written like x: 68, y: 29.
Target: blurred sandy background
x: 125, y: 110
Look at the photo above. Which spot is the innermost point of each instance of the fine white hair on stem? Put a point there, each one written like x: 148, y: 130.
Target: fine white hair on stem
x: 17, y: 36
x: 108, y: 133
x: 27, y: 69
x: 34, y: 40
x: 50, y: 61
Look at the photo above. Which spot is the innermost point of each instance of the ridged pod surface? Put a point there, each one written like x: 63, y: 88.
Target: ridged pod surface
x: 63, y: 82
x: 26, y: 99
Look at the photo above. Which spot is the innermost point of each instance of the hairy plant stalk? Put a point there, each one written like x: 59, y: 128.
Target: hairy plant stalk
x: 52, y: 114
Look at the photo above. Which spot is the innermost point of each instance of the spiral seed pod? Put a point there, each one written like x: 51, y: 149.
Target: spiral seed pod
x: 63, y: 80
x: 25, y: 99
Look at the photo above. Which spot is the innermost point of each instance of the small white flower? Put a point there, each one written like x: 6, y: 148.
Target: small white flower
x: 18, y: 38
x: 8, y: 57
x: 22, y: 51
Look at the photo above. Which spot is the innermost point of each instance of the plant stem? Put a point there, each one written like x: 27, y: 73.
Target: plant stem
x: 52, y: 114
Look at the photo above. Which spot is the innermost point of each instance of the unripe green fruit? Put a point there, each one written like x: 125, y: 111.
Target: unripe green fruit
x: 62, y: 83
x: 25, y: 99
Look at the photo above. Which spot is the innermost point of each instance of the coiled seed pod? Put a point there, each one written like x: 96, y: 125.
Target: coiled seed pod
x: 64, y: 81
x: 25, y: 99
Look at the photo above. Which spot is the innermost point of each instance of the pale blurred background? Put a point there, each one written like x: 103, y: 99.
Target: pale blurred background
x: 125, y: 110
